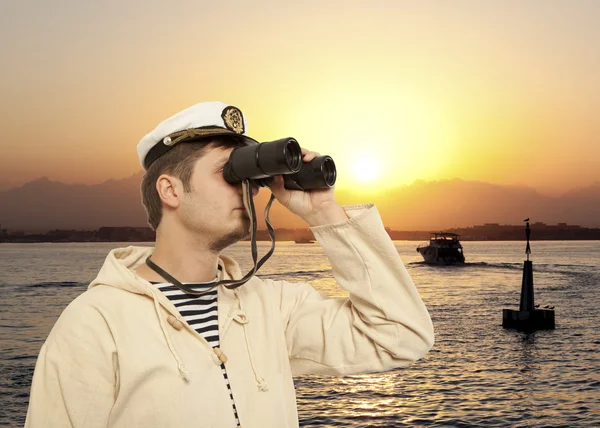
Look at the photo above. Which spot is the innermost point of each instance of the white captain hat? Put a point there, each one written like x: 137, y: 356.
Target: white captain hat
x: 195, y: 123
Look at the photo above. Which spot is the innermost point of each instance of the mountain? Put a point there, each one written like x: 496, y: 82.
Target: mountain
x: 458, y: 203
x: 43, y: 205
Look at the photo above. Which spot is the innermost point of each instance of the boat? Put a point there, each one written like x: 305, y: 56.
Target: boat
x: 303, y: 240
x: 443, y: 248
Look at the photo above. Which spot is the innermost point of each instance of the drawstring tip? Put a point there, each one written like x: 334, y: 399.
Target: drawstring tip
x: 263, y: 385
x: 185, y: 375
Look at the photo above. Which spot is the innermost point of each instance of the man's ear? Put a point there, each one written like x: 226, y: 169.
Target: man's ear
x: 170, y: 190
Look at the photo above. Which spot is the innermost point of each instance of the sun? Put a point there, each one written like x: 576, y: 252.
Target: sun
x: 366, y: 169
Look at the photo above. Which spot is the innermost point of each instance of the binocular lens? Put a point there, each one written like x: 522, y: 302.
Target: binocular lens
x: 293, y: 155
x: 320, y: 173
x: 329, y: 172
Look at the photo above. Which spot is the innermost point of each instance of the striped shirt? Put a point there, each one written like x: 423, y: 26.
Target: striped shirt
x: 200, y: 312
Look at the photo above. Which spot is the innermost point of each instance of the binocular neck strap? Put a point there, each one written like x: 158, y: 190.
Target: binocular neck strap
x: 232, y: 283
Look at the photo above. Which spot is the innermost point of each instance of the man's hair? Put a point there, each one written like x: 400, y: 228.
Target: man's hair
x: 178, y: 162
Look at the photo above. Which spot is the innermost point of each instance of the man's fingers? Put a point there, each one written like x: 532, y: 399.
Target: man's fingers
x: 277, y: 182
x: 308, y: 155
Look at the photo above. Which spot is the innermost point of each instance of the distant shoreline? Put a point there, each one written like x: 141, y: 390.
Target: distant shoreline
x: 486, y: 232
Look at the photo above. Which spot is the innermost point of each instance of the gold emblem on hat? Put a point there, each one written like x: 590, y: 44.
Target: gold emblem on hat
x: 234, y: 121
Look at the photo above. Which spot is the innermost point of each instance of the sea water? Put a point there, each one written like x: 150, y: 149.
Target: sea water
x: 477, y: 374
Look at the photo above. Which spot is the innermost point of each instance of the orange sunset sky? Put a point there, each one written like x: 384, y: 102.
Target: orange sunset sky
x: 505, y: 92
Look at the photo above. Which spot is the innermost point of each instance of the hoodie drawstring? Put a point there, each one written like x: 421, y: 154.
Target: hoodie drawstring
x: 241, y: 317
x: 180, y: 366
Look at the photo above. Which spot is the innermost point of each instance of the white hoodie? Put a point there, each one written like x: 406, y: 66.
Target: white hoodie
x: 121, y: 355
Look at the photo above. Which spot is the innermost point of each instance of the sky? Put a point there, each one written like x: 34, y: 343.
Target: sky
x: 395, y: 91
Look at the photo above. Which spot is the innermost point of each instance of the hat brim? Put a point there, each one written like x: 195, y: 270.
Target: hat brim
x: 200, y: 134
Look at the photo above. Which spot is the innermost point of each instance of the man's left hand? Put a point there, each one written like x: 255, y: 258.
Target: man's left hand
x: 316, y: 207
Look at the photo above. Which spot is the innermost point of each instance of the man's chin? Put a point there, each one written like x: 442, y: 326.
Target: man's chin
x: 240, y: 233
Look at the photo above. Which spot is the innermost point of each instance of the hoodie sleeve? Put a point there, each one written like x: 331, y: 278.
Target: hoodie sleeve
x: 383, y: 324
x: 74, y: 379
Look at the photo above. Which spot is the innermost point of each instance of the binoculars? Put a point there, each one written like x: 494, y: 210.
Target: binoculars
x: 261, y: 162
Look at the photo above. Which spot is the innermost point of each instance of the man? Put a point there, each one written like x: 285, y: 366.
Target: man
x: 136, y: 351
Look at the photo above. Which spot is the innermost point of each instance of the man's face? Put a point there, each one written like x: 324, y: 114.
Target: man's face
x: 214, y: 208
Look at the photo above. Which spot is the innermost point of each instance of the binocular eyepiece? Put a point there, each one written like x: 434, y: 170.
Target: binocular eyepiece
x: 261, y: 162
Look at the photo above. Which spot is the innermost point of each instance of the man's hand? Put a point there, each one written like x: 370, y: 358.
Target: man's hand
x: 316, y: 207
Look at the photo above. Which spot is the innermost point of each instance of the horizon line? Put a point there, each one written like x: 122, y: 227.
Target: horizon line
x: 388, y: 229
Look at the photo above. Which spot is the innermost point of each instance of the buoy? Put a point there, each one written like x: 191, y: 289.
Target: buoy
x: 528, y: 317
